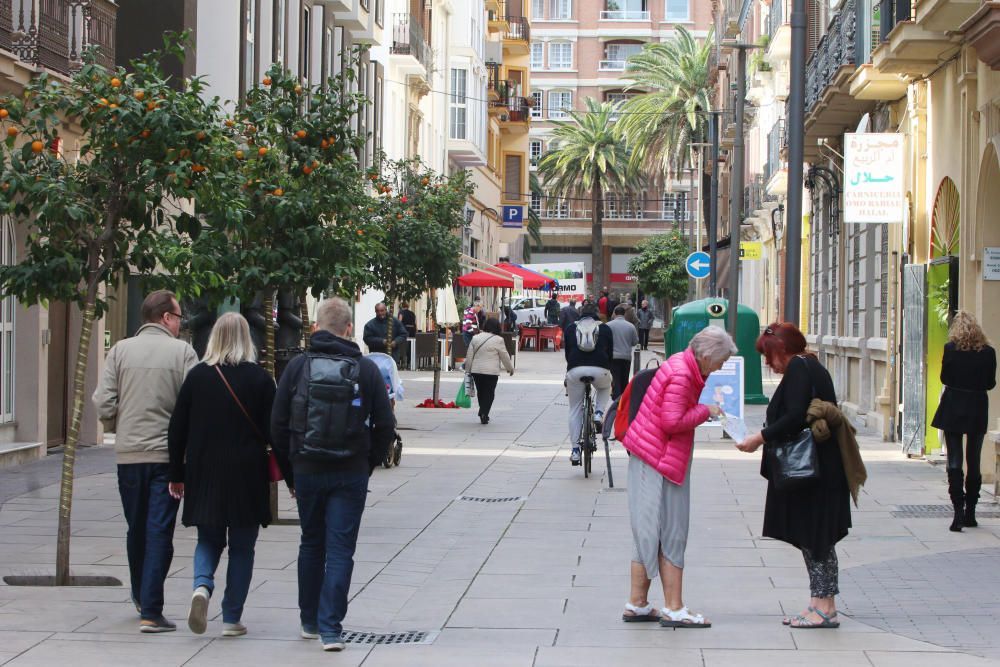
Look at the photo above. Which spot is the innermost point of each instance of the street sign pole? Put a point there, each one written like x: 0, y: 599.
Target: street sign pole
x: 796, y: 157
x: 736, y: 194
x: 713, y: 206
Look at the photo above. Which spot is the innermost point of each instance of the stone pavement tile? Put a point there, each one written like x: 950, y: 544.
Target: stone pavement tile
x: 809, y: 640
x: 17, y: 642
x: 903, y: 659
x: 501, y: 613
x: 526, y: 586
x: 771, y: 658
x: 450, y: 656
x: 244, y: 651
x: 488, y: 639
x: 563, y: 656
x: 102, y: 651
x: 726, y: 632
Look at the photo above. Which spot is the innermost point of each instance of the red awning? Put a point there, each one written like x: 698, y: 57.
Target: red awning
x: 484, y: 279
x: 532, y: 279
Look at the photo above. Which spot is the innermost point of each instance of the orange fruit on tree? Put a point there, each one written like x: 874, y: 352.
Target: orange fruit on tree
x: 262, y: 151
x: 306, y: 169
x: 229, y: 122
x: 278, y: 192
x: 324, y: 144
x: 300, y: 134
x: 139, y: 95
x: 185, y: 153
x: 200, y: 136
x: 298, y: 90
x: 145, y: 134
x: 113, y: 105
x: 239, y: 155
x: 266, y: 81
x: 11, y: 131
x: 116, y: 82
x: 104, y: 101
x: 424, y: 180
x: 198, y: 168
x: 314, y: 164
x: 37, y: 146
x: 4, y: 113
x: 150, y: 106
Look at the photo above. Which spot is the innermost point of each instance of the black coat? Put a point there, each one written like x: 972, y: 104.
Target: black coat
x: 216, y: 452
x: 967, y: 375
x: 600, y: 357
x: 816, y: 516
x: 376, y: 334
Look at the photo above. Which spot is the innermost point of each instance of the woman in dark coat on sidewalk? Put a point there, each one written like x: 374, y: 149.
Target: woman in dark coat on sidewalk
x: 814, y: 517
x: 218, y: 464
x: 968, y: 371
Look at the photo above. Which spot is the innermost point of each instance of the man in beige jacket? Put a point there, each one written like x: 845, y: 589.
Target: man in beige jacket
x: 142, y: 377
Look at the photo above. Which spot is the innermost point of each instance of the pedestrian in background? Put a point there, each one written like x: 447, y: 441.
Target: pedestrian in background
x: 470, y: 322
x: 218, y: 465
x: 335, y: 436
x: 385, y: 334
x: 968, y: 371
x: 661, y: 441
x: 487, y: 353
x: 135, y: 398
x: 552, y: 309
x: 645, y: 316
x: 630, y: 316
x: 568, y: 314
x: 814, y: 515
x: 626, y: 337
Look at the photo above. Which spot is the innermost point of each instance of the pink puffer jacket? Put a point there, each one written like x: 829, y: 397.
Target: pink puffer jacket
x: 662, y: 433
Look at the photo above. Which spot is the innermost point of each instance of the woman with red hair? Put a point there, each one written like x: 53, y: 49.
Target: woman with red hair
x: 813, y: 517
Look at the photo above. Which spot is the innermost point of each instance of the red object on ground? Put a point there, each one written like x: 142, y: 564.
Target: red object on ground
x: 429, y: 403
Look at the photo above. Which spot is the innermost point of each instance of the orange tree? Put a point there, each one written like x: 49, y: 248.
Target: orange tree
x: 302, y: 218
x: 97, y: 211
x: 422, y: 213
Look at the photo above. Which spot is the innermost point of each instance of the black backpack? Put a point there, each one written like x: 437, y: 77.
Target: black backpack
x: 327, y: 409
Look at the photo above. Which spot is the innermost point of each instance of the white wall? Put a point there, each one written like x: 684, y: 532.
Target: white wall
x: 218, y: 48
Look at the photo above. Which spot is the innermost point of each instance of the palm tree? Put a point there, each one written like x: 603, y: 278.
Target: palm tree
x: 671, y: 114
x: 534, y: 239
x: 588, y: 159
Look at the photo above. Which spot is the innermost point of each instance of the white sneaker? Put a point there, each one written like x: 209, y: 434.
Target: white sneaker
x: 336, y: 645
x: 309, y: 634
x: 198, y: 615
x: 233, y: 629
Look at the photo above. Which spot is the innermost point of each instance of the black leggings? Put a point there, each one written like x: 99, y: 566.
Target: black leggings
x: 486, y: 390
x: 824, y: 574
x: 644, y: 338
x: 973, y: 457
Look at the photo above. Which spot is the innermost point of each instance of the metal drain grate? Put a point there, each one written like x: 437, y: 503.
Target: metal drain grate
x: 936, y: 512
x: 483, y: 499
x: 410, y: 637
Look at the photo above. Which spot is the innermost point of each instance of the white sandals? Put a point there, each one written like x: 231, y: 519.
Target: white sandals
x: 645, y: 614
x: 682, y: 618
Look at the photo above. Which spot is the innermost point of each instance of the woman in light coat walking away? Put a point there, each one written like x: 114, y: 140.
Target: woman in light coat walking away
x: 661, y: 441
x: 968, y: 372
x: 487, y: 352
x: 218, y: 464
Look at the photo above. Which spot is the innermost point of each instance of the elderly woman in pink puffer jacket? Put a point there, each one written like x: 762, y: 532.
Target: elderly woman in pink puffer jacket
x: 661, y: 441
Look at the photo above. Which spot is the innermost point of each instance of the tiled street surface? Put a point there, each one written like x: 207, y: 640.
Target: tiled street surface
x: 537, y: 577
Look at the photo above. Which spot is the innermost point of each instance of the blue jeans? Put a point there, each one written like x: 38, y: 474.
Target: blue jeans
x: 211, y: 543
x: 330, y: 508
x: 151, y: 515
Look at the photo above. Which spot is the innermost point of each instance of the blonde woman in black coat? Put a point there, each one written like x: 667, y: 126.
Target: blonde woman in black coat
x: 218, y: 464
x: 968, y: 371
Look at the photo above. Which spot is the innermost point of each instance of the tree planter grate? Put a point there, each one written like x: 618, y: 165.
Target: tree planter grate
x: 937, y: 512
x: 372, y: 638
x: 484, y: 499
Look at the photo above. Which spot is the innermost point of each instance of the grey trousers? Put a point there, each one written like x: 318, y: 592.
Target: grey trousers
x: 574, y: 387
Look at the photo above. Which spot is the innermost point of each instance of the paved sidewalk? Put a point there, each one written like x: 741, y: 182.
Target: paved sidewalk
x: 488, y: 541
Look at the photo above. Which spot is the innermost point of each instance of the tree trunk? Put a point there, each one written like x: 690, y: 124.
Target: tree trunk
x: 269, y: 332
x: 306, y: 324
x: 72, y: 439
x: 597, y: 238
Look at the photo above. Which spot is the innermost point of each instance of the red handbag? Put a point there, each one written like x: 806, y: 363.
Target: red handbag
x: 273, y: 469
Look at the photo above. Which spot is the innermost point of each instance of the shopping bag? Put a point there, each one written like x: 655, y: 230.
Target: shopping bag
x: 470, y: 385
x: 462, y: 400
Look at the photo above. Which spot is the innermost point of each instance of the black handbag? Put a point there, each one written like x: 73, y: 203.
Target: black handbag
x: 795, y: 462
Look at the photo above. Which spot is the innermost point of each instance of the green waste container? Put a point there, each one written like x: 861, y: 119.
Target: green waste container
x: 692, y: 317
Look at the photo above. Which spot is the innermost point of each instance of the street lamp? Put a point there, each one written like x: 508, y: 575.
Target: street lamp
x: 796, y: 155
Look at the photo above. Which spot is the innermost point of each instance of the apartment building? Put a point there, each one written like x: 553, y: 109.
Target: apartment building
x: 37, y: 345
x: 579, y: 50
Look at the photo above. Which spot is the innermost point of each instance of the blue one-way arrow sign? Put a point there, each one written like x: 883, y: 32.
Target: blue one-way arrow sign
x: 698, y: 265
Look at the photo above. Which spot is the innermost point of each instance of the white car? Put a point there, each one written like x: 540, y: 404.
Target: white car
x: 528, y: 307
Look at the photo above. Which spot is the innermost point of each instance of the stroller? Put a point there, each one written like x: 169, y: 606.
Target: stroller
x: 394, y: 385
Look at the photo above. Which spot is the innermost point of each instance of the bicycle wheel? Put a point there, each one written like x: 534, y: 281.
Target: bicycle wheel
x: 588, y: 430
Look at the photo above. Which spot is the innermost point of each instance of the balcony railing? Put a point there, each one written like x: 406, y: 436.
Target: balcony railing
x: 494, y: 76
x: 775, y: 142
x: 517, y: 29
x: 624, y: 15
x: 755, y: 195
x: 55, y: 33
x: 408, y: 39
x: 837, y: 48
x: 612, y: 65
x: 776, y: 18
x: 516, y: 108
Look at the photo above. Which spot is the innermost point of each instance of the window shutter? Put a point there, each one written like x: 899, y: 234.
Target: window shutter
x: 814, y: 26
x: 512, y: 176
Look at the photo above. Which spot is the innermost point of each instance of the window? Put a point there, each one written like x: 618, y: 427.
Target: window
x: 7, y: 308
x: 536, y: 110
x: 513, y: 170
x: 278, y: 39
x: 305, y: 53
x: 538, y: 9
x: 248, y: 71
x: 561, y: 55
x: 615, y: 55
x: 364, y: 5
x: 535, y: 150
x: 677, y: 10
x: 560, y: 101
x: 377, y: 108
x: 675, y: 206
x: 557, y: 208
x: 378, y: 13
x: 459, y: 80
x: 560, y: 9
x: 537, y: 55
x: 536, y: 202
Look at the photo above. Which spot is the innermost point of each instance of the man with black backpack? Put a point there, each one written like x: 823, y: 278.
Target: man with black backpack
x: 333, y: 419
x: 589, y: 346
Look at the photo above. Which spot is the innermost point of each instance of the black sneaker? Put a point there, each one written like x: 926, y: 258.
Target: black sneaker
x: 156, y: 625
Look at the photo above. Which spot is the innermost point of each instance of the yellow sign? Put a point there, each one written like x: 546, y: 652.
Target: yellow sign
x: 751, y: 250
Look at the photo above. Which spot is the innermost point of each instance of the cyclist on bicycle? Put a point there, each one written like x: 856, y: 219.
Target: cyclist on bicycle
x: 589, y: 346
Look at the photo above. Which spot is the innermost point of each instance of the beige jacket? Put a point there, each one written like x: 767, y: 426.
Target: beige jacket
x: 142, y: 377
x: 486, y: 353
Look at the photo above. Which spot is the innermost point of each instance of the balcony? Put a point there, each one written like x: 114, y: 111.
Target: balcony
x: 830, y: 107
x: 947, y: 15
x: 635, y: 15
x: 516, y: 35
x: 611, y: 66
x: 55, y: 33
x: 409, y: 44
x: 514, y: 113
x: 354, y: 18
x: 776, y: 171
x: 779, y: 33
x: 493, y: 81
x: 907, y: 47
x: 982, y: 30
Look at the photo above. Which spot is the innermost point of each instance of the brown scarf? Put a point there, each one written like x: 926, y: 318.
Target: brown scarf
x: 825, y: 419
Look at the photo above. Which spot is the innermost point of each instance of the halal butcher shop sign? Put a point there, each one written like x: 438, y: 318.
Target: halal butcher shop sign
x: 873, y: 178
